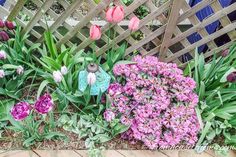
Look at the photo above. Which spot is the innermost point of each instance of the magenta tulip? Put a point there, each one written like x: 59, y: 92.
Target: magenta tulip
x: 115, y: 14
x: 231, y: 77
x: 4, y: 36
x: 10, y: 25
x: 134, y: 23
x: 2, y: 25
x: 95, y: 32
x: 20, y: 111
x: 44, y: 104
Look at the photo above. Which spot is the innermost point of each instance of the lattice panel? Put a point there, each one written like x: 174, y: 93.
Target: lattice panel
x: 6, y: 8
x: 166, y: 39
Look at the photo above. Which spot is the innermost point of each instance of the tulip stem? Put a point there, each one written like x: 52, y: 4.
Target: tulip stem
x: 113, y: 44
x: 94, y: 51
x: 31, y: 84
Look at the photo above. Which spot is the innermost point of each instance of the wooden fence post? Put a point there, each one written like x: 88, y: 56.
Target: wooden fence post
x: 171, y: 25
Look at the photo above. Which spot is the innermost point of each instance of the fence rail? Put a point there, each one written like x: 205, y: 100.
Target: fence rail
x: 160, y: 29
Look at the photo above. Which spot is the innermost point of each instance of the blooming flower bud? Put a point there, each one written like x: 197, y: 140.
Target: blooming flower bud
x: 91, y: 78
x: 1, y: 24
x: 20, y: 111
x: 115, y: 14
x: 57, y: 76
x: 109, y: 115
x: 2, y: 74
x: 231, y: 77
x: 44, y: 104
x: 4, y: 36
x: 225, y: 53
x: 109, y: 14
x: 95, y: 32
x: 10, y: 25
x: 134, y: 23
x: 20, y: 70
x: 3, y: 54
x: 64, y: 70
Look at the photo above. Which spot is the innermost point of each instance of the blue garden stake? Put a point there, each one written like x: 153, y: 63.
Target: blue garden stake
x: 102, y: 80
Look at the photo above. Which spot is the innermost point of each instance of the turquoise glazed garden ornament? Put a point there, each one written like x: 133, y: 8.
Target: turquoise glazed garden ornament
x: 95, y: 77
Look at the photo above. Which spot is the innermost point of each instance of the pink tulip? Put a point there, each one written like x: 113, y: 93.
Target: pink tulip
x: 134, y: 23
x: 115, y: 14
x: 109, y: 14
x: 95, y: 32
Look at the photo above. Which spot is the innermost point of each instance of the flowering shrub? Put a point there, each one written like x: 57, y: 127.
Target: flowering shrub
x: 157, y: 101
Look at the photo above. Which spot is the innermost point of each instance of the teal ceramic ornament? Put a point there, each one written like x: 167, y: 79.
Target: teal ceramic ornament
x: 101, y: 82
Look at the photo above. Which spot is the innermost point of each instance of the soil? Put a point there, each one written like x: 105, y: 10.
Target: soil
x: 12, y: 142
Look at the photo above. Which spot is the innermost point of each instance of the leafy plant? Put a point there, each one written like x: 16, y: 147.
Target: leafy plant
x: 93, y: 129
x: 216, y: 109
x: 16, y: 66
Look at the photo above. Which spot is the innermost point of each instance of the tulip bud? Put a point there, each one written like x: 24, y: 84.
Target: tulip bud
x: 2, y: 25
x: 57, y: 76
x: 118, y: 14
x: 134, y: 23
x: 225, y: 53
x: 231, y: 77
x: 109, y: 14
x: 64, y: 70
x: 10, y: 25
x: 20, y: 70
x: 2, y: 74
x: 95, y: 32
x: 3, y: 54
x: 4, y: 36
x: 115, y: 14
x: 91, y: 78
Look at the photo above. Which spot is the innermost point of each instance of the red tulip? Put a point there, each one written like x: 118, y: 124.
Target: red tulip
x: 10, y: 25
x: 134, y: 23
x: 2, y: 25
x: 95, y: 32
x: 115, y: 14
x: 4, y: 36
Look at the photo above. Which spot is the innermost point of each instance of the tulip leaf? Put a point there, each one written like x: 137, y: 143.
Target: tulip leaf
x: 41, y: 87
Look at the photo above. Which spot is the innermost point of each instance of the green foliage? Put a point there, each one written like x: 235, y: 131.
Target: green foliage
x: 18, y: 54
x: 94, y: 130
x: 216, y: 110
x: 141, y: 11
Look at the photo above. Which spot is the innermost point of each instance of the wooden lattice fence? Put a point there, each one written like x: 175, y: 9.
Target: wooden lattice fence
x: 164, y: 39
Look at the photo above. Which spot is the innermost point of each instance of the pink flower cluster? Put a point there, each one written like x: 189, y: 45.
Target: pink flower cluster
x: 157, y: 101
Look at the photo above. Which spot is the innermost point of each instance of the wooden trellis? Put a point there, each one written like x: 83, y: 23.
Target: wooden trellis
x: 162, y: 38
